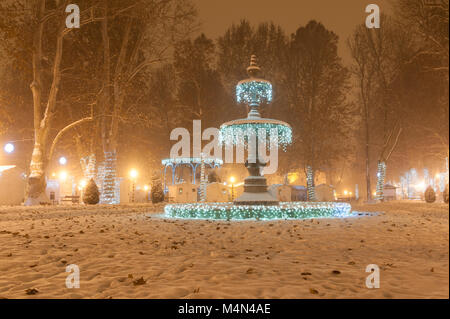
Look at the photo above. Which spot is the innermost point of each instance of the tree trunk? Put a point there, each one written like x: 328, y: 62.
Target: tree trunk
x: 107, y: 171
x: 36, y: 180
x: 310, y: 184
x: 35, y: 190
x: 368, y: 185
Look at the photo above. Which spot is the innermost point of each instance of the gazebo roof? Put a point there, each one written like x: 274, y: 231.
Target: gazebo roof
x: 191, y: 160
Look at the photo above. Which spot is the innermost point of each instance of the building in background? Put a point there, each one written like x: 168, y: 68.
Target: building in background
x: 390, y: 192
x: 325, y: 193
x: 217, y: 193
x: 282, y: 193
x: 183, y: 193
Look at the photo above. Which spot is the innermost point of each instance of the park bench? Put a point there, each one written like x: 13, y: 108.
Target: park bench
x: 75, y: 199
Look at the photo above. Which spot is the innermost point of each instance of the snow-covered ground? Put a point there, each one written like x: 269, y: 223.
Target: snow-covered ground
x: 130, y: 252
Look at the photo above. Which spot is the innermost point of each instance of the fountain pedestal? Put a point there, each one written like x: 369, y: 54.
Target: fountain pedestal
x: 255, y: 186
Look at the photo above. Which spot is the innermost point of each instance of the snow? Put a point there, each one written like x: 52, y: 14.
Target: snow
x: 116, y: 245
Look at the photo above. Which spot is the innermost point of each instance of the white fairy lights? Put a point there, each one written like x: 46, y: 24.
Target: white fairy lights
x: 285, y: 210
x: 310, y: 184
x: 381, y: 176
x: 191, y: 160
x: 254, y: 92
x: 238, y: 133
x: 110, y: 193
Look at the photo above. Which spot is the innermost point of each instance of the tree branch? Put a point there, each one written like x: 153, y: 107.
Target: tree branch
x: 64, y: 130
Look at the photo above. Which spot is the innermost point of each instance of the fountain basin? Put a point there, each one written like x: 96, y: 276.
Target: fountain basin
x: 285, y: 210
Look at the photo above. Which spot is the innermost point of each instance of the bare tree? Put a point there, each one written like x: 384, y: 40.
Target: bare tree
x: 150, y: 29
x: 428, y: 21
x: 42, y: 26
x: 316, y: 84
x: 380, y: 56
x: 364, y: 73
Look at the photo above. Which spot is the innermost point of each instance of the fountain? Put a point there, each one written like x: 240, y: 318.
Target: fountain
x: 253, y: 132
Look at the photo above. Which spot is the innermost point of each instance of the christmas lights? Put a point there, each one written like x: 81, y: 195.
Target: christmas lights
x: 238, y: 132
x: 285, y: 210
x: 192, y: 160
x: 202, y: 180
x: 254, y: 92
x: 310, y: 184
x: 107, y: 176
x: 88, y: 164
x: 381, y: 175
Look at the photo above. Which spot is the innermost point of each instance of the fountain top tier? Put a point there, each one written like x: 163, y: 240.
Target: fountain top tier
x: 254, y: 91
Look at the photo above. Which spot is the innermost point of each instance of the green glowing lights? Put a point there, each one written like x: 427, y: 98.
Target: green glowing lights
x: 254, y: 92
x: 238, y: 132
x: 285, y: 210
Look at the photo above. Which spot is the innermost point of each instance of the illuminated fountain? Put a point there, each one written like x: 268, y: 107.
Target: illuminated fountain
x: 256, y: 134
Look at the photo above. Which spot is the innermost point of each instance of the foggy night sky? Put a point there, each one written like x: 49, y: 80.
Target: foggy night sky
x: 340, y: 16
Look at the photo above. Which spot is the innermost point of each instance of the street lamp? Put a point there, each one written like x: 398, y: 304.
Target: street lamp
x: 63, y: 175
x: 232, y: 180
x: 146, y: 189
x: 83, y: 183
x: 133, y: 175
x: 62, y: 160
x: 81, y: 187
x: 9, y: 148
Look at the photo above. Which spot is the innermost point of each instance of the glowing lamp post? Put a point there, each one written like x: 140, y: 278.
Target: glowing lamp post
x: 8, y: 148
x: 133, y: 175
x: 63, y: 176
x: 146, y: 189
x: 81, y: 186
x: 232, y: 180
x: 62, y: 160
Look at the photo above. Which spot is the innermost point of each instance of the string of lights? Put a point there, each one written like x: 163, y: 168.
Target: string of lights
x: 286, y: 210
x: 381, y: 176
x: 239, y: 133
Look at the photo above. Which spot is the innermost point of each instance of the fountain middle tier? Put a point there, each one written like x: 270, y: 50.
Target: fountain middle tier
x: 249, y: 132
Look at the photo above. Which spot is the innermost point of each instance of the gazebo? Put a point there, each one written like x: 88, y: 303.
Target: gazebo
x: 193, y: 162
